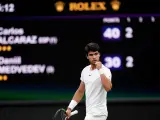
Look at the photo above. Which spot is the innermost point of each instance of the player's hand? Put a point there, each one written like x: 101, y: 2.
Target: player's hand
x: 98, y: 65
x: 68, y: 113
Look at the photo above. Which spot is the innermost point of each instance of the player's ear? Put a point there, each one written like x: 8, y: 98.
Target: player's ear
x: 99, y: 54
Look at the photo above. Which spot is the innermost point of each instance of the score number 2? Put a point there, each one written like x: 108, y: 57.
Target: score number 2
x: 115, y: 62
x: 114, y: 33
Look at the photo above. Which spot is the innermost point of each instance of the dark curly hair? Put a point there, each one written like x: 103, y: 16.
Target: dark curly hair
x: 91, y: 47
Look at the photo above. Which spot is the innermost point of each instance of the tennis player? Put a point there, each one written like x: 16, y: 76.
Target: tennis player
x: 95, y: 83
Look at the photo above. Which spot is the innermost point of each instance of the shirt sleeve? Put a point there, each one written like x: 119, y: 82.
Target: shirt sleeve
x: 81, y: 78
x: 107, y: 73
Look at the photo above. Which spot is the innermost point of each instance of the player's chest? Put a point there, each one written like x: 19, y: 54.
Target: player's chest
x: 92, y: 77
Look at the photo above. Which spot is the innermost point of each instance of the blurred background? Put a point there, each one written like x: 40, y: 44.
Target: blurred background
x: 42, y: 56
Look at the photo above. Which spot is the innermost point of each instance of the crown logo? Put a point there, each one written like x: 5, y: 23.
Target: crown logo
x: 115, y: 4
x: 59, y: 6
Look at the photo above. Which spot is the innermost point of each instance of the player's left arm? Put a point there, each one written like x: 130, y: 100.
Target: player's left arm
x: 106, y: 82
x: 105, y: 75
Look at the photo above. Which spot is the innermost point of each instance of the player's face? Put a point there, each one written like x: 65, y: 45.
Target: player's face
x: 93, y: 57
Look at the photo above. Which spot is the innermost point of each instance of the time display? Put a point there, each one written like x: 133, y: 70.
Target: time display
x: 7, y: 7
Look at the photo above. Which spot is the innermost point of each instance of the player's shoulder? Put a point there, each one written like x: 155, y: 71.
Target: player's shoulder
x: 86, y: 68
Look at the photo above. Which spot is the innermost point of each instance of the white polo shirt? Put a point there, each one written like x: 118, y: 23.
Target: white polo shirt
x: 96, y: 95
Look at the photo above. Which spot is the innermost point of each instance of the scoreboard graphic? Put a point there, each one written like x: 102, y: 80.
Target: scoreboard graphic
x: 41, y: 56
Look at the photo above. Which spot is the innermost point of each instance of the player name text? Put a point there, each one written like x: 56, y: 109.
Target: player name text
x: 11, y: 60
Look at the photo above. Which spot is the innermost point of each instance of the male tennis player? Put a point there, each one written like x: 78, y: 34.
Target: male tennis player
x: 95, y: 82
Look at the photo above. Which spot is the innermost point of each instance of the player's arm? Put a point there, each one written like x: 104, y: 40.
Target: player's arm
x: 79, y: 93
x: 106, y: 82
x: 105, y: 77
x: 76, y: 98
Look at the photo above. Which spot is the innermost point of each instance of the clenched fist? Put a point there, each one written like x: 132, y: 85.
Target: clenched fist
x: 98, y: 65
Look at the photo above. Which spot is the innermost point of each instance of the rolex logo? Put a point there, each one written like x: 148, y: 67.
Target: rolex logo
x: 115, y: 4
x: 59, y: 6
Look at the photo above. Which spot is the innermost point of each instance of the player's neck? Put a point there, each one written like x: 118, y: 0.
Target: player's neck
x: 93, y: 67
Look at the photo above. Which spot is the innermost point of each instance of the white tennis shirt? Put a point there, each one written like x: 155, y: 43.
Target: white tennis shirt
x: 96, y: 95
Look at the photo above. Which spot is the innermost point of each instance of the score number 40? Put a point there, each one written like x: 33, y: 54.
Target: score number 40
x: 115, y: 32
x: 115, y: 62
